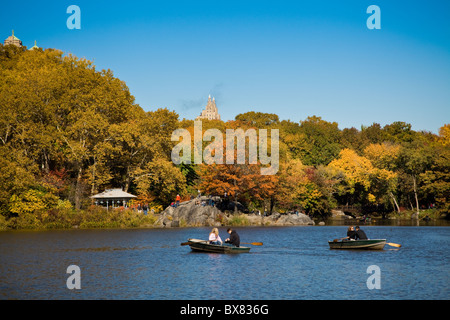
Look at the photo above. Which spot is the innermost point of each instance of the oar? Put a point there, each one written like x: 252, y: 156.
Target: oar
x: 186, y: 243
x: 336, y: 240
x: 394, y: 244
x: 253, y: 243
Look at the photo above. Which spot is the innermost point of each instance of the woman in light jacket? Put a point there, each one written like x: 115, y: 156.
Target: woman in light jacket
x: 214, y: 237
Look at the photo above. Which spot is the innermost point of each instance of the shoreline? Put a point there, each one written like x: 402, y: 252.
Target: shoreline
x: 329, y: 223
x: 189, y: 215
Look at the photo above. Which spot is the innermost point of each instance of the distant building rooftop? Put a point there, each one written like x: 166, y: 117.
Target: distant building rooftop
x: 12, y: 39
x: 35, y: 46
x: 113, y: 194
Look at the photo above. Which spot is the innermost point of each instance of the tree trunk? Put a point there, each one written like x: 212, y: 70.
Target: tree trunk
x: 45, y: 164
x: 235, y: 197
x: 410, y: 203
x: 415, y: 193
x: 271, y: 205
x: 78, y: 189
x: 93, y: 178
x: 395, y: 201
x: 127, y: 180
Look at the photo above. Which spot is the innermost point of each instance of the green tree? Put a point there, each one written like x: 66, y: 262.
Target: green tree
x: 258, y: 119
x: 436, y: 177
x: 161, y: 179
x: 322, y: 143
x: 414, y: 159
x: 385, y: 158
x: 58, y: 111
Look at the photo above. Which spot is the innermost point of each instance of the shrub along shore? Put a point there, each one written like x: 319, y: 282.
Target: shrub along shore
x: 97, y: 217
x: 93, y: 217
x: 184, y: 216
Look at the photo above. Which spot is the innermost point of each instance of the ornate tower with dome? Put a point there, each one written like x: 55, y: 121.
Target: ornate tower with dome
x: 210, y: 112
x: 13, y: 40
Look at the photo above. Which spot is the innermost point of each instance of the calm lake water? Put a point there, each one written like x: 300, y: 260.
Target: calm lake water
x: 294, y: 263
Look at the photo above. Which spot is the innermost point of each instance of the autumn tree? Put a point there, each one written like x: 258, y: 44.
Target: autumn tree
x: 162, y: 180
x: 384, y: 157
x: 242, y: 181
x: 305, y: 188
x: 444, y: 135
x: 356, y: 171
x: 60, y: 112
x: 436, y: 177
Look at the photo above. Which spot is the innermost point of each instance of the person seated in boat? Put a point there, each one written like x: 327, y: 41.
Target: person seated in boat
x: 214, y: 237
x: 351, y: 234
x: 360, y: 235
x: 234, y: 238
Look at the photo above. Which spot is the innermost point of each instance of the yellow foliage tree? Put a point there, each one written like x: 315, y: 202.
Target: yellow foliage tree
x: 444, y: 134
x: 356, y: 169
x: 383, y: 155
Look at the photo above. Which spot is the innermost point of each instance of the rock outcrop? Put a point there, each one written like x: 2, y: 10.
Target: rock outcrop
x: 190, y: 215
x: 339, y: 215
x: 293, y: 219
x: 194, y: 214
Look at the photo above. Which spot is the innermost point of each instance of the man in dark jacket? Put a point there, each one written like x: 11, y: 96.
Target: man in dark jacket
x: 234, y: 238
x: 360, y: 235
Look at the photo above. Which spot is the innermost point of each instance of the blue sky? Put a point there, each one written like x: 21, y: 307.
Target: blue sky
x: 292, y: 58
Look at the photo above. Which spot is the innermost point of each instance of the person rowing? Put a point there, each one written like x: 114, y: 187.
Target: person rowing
x: 234, y: 238
x: 360, y: 235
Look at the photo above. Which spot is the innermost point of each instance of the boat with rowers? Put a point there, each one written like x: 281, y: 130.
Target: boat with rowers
x: 368, y: 244
x: 204, y: 246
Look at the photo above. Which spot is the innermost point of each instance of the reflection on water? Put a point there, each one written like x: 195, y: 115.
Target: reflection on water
x: 293, y: 263
x: 108, y: 249
x: 389, y: 222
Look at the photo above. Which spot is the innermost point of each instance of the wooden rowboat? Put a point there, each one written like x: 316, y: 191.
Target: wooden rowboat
x: 204, y: 246
x: 372, y: 244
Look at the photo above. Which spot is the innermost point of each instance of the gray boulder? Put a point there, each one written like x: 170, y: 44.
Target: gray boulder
x: 193, y: 214
x: 299, y: 219
x: 189, y: 214
x: 277, y: 219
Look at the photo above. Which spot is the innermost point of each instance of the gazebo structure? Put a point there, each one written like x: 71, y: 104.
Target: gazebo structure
x: 113, y: 198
